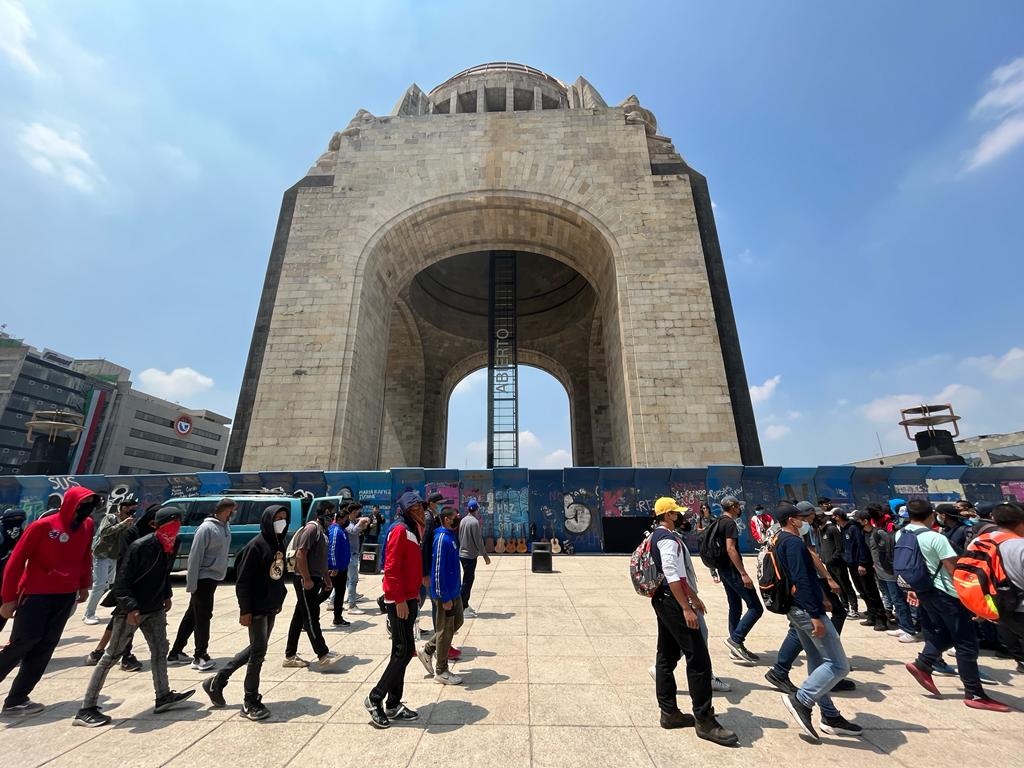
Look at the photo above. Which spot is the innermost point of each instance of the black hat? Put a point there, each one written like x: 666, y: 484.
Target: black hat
x: 167, y: 514
x: 784, y: 511
x: 861, y: 515
x: 435, y: 498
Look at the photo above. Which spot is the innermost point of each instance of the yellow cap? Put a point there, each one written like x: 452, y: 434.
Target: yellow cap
x: 667, y: 504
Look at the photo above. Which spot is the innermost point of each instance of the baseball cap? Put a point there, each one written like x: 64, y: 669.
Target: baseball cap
x: 435, y: 498
x: 667, y: 504
x: 785, y: 511
x: 167, y: 514
x: 805, y: 507
x: 472, y: 503
x: 729, y: 501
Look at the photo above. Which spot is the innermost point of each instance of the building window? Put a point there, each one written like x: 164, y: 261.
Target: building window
x: 183, y: 444
x: 169, y: 423
x: 167, y: 458
x: 1006, y: 454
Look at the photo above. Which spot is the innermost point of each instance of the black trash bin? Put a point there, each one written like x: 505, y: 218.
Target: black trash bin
x: 368, y: 558
x: 541, y: 557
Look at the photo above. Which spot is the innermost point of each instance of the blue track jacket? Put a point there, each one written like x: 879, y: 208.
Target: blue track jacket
x: 339, y: 552
x: 445, y: 568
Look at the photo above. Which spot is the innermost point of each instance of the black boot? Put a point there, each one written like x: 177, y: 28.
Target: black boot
x: 676, y: 720
x: 712, y: 730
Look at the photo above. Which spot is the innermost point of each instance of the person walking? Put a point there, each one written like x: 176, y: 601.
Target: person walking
x: 446, y: 593
x: 827, y: 662
x: 207, y: 567
x: 1010, y: 519
x: 881, y: 544
x: 49, y: 569
x: 339, y: 553
x: 354, y: 530
x: 143, y: 593
x: 857, y: 558
x: 403, y: 577
x: 106, y: 548
x: 260, y: 587
x: 739, y: 587
x: 312, y: 583
x: 12, y: 524
x: 830, y: 550
x: 944, y: 619
x: 471, y: 549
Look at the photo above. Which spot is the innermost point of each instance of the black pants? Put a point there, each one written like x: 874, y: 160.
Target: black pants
x: 197, y: 619
x: 339, y: 602
x: 676, y: 640
x: 468, y: 577
x: 1011, y: 632
x: 868, y: 589
x: 37, y: 628
x: 251, y: 657
x: 848, y: 595
x: 403, y: 647
x: 307, y: 617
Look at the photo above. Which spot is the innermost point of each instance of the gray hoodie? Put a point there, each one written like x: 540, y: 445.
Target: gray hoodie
x: 208, y: 556
x: 471, y: 542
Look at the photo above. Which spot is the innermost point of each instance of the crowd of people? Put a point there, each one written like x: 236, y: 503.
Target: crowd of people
x: 818, y: 565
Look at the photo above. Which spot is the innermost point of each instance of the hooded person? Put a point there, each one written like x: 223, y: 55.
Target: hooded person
x: 49, y: 569
x: 260, y: 586
x: 312, y: 583
x: 403, y: 576
x: 12, y: 523
x: 953, y: 526
x: 142, y: 590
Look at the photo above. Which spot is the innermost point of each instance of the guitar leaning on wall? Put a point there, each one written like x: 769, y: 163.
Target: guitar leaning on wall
x: 489, y: 540
x: 556, y: 547
x: 521, y: 546
x: 499, y: 545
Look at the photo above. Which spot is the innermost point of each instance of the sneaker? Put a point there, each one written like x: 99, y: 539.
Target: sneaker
x: 801, y: 713
x: 881, y: 626
x: 214, y: 691
x: 781, y: 683
x: 378, y: 717
x: 846, y: 684
x: 653, y: 673
x: 177, y: 658
x: 1020, y: 667
x: 130, y: 664
x: 923, y: 677
x: 718, y: 684
x: 254, y: 711
x: 427, y: 660
x: 711, y: 730
x: 853, y: 614
x: 341, y: 623
x: 93, y: 658
x: 26, y: 709
x: 203, y: 663
x: 984, y: 702
x: 468, y: 613
x: 447, y: 678
x: 402, y: 712
x: 894, y: 632
x: 171, y: 700
x: 387, y: 626
x: 92, y: 621
x: 294, y: 662
x: 739, y: 651
x: 942, y: 668
x: 677, y: 720
x: 839, y: 726
x: 329, y: 659
x: 381, y: 605
x: 908, y: 637
x: 454, y: 654
x: 91, y: 717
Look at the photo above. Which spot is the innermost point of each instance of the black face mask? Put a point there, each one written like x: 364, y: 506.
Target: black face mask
x: 85, y: 509
x: 12, y: 533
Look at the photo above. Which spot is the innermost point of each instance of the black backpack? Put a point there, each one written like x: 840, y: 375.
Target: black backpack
x: 773, y: 580
x: 712, y: 546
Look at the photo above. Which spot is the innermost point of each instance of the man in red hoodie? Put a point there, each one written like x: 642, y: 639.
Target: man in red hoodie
x: 48, y: 571
x: 403, y: 575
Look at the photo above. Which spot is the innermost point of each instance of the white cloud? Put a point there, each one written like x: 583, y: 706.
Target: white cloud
x: 556, y: 460
x: 532, y: 453
x: 776, y: 431
x: 759, y: 393
x: 1002, y: 103
x: 15, y: 32
x: 62, y: 155
x: 1008, y: 367
x: 528, y: 441
x: 471, y: 382
x: 886, y: 410
x: 178, y: 162
x: 179, y: 384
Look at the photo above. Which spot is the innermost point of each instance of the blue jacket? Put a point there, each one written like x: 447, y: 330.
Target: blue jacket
x: 855, y: 547
x: 445, y: 568
x: 797, y: 562
x: 339, y: 552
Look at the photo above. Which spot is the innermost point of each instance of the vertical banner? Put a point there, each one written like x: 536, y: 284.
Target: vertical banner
x: 213, y: 483
x: 797, y: 484
x: 944, y: 483
x: 618, y: 494
x: 581, y: 509
x: 546, y: 494
x: 652, y: 484
x: 908, y: 483
x: 445, y: 482
x: 374, y: 489
x: 343, y: 484
x: 512, y: 501
x: 835, y: 483
x: 479, y: 484
x: 870, y: 484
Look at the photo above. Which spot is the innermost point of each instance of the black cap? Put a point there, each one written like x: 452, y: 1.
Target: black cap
x: 167, y: 514
x: 861, y: 515
x: 784, y: 511
x: 435, y: 498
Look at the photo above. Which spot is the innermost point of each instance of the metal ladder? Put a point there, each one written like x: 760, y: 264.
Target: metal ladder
x: 502, y: 373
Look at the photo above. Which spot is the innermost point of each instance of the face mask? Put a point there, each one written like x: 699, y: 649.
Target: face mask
x: 280, y: 526
x: 167, y: 533
x: 12, y: 534
x: 805, y: 528
x: 969, y: 521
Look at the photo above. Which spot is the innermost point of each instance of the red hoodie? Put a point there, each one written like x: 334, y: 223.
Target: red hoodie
x: 50, y: 558
x: 403, y: 565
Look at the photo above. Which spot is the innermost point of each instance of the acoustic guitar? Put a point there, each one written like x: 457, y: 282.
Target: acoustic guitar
x: 521, y: 546
x: 499, y: 545
x: 544, y: 535
x: 556, y: 547
x: 489, y: 540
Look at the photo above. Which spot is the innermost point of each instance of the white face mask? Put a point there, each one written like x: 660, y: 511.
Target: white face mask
x: 279, y: 526
x: 805, y: 528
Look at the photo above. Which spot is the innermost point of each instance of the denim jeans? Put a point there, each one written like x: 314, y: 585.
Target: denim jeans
x: 900, y: 606
x: 791, y: 647
x: 826, y: 662
x: 353, y: 579
x: 154, y: 628
x: 104, y: 569
x: 737, y: 595
x: 251, y: 657
x: 947, y: 624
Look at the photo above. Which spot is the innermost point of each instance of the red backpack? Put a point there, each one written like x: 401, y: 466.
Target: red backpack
x: 981, y: 581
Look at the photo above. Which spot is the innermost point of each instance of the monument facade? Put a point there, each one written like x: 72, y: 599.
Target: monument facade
x: 375, y: 302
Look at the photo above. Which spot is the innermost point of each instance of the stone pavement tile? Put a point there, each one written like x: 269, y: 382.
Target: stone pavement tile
x: 562, y: 747
x: 134, y: 699
x: 642, y: 646
x: 673, y: 748
x: 598, y: 598
x: 305, y: 701
x: 569, y: 669
x: 588, y: 705
x: 919, y: 748
x: 419, y: 696
x: 266, y: 744
x: 477, y: 746
x: 343, y: 745
x: 495, y: 705
x: 556, y: 645
x: 483, y: 671
x: 505, y: 623
x: 32, y: 742
x: 482, y: 645
x: 557, y: 626
x: 625, y: 670
x: 135, y: 744
x: 622, y: 627
x: 351, y: 668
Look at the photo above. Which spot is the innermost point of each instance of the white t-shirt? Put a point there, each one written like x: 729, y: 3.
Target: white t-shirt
x: 676, y: 562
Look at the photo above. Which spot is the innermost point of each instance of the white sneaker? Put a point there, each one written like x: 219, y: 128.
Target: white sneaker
x: 427, y: 660
x: 202, y: 664
x: 328, y: 659
x: 294, y: 662
x: 90, y: 620
x: 718, y: 684
x: 653, y: 673
x: 894, y: 632
x: 906, y: 637
x: 447, y: 678
x: 469, y: 613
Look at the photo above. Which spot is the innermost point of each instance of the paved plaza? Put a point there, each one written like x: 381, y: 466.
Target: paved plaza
x: 556, y: 675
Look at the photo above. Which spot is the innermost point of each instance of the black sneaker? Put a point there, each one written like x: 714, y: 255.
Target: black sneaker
x: 739, y: 651
x: 380, y: 604
x: 711, y: 730
x: 341, y: 623
x: 171, y: 700
x: 91, y: 717
x: 387, y: 626
x: 378, y: 717
x: 846, y: 684
x: 781, y: 683
x: 214, y: 691
x: 27, y: 708
x: 255, y: 710
x: 1020, y: 667
x: 130, y: 664
x: 402, y: 712
x: 839, y: 726
x: 677, y: 720
x: 176, y: 658
x: 801, y: 713
x: 93, y: 658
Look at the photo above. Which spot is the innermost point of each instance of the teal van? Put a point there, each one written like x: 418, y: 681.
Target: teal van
x: 245, y: 522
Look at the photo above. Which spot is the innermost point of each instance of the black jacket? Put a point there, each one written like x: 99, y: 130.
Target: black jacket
x: 143, y: 580
x: 256, y: 591
x: 426, y: 545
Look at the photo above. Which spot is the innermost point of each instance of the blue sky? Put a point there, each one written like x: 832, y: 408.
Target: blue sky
x: 865, y: 163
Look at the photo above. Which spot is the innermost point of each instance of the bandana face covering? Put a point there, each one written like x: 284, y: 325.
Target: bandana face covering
x: 167, y: 533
